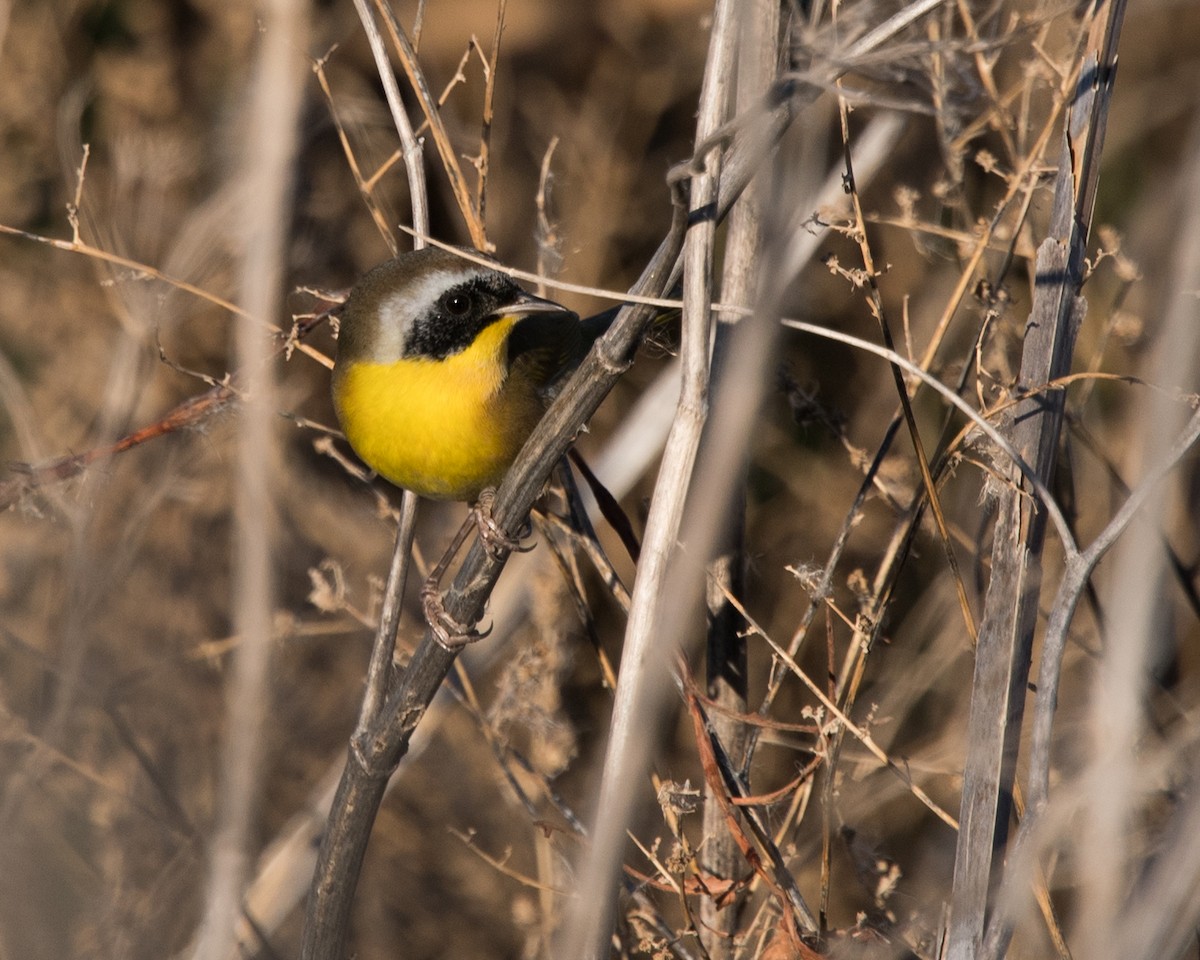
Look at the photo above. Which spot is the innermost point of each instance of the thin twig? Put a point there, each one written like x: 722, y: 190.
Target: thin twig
x: 413, y: 164
x: 910, y: 420
x: 364, y: 189
x: 380, y: 669
x: 485, y: 134
x: 441, y: 139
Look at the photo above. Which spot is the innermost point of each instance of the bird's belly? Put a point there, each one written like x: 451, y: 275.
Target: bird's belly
x: 441, y: 428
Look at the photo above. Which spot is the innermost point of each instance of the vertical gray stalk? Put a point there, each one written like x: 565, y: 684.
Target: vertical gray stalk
x: 758, y: 57
x: 644, y: 680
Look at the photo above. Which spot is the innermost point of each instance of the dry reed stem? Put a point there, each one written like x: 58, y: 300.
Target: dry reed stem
x: 726, y: 680
x: 642, y: 683
x: 1002, y: 662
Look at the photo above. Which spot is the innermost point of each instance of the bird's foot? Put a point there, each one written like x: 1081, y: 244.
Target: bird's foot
x: 451, y: 635
x: 495, y: 540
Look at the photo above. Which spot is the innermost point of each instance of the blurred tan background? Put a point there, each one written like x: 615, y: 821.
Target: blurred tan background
x: 115, y: 592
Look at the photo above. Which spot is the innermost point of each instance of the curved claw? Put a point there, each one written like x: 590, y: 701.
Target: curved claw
x: 451, y: 635
x: 495, y: 540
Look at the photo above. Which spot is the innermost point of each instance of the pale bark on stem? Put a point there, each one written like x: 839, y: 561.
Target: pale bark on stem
x: 726, y: 660
x: 1120, y: 678
x: 644, y: 680
x: 1010, y: 615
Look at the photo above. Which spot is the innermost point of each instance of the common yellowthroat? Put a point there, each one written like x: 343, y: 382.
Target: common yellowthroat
x: 443, y: 369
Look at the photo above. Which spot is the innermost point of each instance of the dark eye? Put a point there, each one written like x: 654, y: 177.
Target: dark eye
x: 457, y: 304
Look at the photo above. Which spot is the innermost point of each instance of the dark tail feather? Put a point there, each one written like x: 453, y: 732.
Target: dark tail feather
x: 609, y: 508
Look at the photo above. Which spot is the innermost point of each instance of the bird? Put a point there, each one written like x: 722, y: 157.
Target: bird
x: 444, y: 367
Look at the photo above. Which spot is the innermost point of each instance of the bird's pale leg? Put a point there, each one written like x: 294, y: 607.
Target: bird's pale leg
x: 447, y: 631
x: 496, y: 542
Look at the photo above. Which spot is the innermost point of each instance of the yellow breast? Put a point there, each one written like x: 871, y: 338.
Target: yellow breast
x: 441, y: 428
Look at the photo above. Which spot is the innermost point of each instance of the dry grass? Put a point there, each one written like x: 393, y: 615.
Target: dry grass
x: 118, y: 575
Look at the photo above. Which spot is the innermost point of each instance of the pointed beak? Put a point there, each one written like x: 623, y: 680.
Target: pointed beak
x: 527, y: 304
